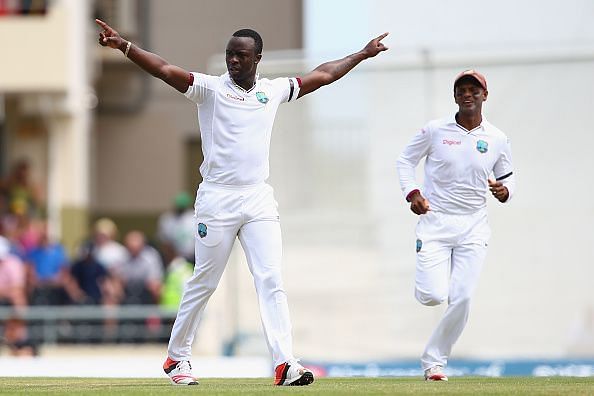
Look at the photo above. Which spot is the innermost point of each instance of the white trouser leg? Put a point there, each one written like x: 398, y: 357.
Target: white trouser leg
x: 467, y: 262
x: 454, y: 247
x: 261, y: 241
x: 212, y: 253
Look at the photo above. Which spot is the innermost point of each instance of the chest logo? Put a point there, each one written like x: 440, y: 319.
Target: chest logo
x: 262, y: 98
x: 235, y: 97
x: 482, y: 146
x: 202, y: 230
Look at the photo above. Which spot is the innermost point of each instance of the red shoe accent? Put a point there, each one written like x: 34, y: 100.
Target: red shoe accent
x: 437, y: 377
x: 169, y: 364
x: 280, y: 373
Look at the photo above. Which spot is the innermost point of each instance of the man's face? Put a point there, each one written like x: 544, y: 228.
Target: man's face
x: 469, y: 95
x: 241, y: 58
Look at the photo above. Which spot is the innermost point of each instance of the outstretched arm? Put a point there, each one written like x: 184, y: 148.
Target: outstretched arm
x: 175, y: 76
x: 329, y: 72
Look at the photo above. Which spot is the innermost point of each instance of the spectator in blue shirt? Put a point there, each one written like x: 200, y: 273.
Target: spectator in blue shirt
x: 49, y: 277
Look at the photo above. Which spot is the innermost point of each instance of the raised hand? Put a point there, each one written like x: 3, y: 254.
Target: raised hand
x: 109, y: 37
x: 375, y: 46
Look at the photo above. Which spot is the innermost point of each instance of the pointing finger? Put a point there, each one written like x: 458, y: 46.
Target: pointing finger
x: 102, y: 24
x: 381, y: 36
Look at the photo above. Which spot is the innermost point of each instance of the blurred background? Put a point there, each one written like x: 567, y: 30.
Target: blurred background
x: 99, y: 168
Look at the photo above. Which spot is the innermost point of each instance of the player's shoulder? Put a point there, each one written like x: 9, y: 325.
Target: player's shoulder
x: 207, y: 76
x: 207, y: 80
x: 494, y: 131
x: 274, y: 82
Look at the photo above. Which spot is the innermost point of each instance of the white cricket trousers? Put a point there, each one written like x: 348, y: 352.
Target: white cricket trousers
x: 451, y: 250
x: 223, y: 213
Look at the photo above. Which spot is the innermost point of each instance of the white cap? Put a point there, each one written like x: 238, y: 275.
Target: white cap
x: 4, y: 248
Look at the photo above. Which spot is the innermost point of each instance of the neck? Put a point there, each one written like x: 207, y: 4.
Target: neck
x: 469, y: 121
x: 246, y: 84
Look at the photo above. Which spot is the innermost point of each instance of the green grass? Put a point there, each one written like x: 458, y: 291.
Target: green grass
x: 326, y: 386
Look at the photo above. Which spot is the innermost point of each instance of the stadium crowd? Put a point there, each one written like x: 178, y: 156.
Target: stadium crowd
x: 23, y: 7
x: 36, y: 270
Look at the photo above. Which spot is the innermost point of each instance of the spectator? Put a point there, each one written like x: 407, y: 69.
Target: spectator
x: 12, y: 277
x: 110, y: 253
x: 142, y: 274
x: 90, y: 278
x: 176, y: 227
x: 178, y: 271
x: 23, y: 195
x: 49, y: 277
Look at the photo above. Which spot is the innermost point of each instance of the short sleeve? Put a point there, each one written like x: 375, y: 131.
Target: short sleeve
x: 288, y: 88
x: 202, y: 86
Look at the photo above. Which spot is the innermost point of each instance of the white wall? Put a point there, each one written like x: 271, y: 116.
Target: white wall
x: 335, y: 26
x: 348, y: 234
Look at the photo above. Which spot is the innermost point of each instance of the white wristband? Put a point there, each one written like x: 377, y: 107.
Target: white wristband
x: 127, y: 49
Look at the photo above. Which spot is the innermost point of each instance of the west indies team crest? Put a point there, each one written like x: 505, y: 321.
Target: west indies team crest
x: 202, y: 230
x: 482, y: 146
x: 262, y: 98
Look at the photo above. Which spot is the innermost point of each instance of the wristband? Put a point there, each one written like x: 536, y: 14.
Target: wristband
x: 127, y: 49
x: 416, y: 190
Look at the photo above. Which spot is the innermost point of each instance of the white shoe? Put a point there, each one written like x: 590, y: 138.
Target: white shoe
x: 180, y: 373
x: 435, y: 373
x: 292, y: 373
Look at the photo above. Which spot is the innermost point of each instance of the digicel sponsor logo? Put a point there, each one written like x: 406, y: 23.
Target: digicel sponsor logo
x: 451, y: 142
x: 230, y: 96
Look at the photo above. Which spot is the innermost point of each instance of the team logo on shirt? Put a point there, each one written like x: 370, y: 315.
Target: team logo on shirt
x: 419, y: 245
x: 262, y: 98
x: 202, y: 230
x: 482, y: 146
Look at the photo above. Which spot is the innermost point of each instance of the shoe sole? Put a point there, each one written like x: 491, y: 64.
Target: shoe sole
x: 176, y: 384
x: 305, y: 379
x: 437, y: 379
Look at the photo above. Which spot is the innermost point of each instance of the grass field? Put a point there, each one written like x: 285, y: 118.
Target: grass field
x: 326, y: 386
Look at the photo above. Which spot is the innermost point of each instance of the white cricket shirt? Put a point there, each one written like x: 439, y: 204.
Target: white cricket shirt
x: 457, y: 165
x: 236, y: 125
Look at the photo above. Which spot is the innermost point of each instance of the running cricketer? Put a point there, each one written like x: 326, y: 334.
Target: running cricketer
x: 461, y: 153
x: 236, y: 112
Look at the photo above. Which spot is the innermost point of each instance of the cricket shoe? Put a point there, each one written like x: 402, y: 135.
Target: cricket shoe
x: 180, y: 373
x: 292, y: 373
x: 435, y: 373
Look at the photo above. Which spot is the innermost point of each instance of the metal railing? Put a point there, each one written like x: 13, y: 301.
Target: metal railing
x: 91, y: 324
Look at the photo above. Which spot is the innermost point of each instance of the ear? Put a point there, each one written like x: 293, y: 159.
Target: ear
x: 485, y: 94
x: 258, y: 58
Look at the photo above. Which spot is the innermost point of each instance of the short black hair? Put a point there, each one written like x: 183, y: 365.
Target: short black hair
x: 253, y: 34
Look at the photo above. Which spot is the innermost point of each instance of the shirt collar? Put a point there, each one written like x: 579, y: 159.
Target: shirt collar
x: 482, y: 126
x: 241, y: 88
